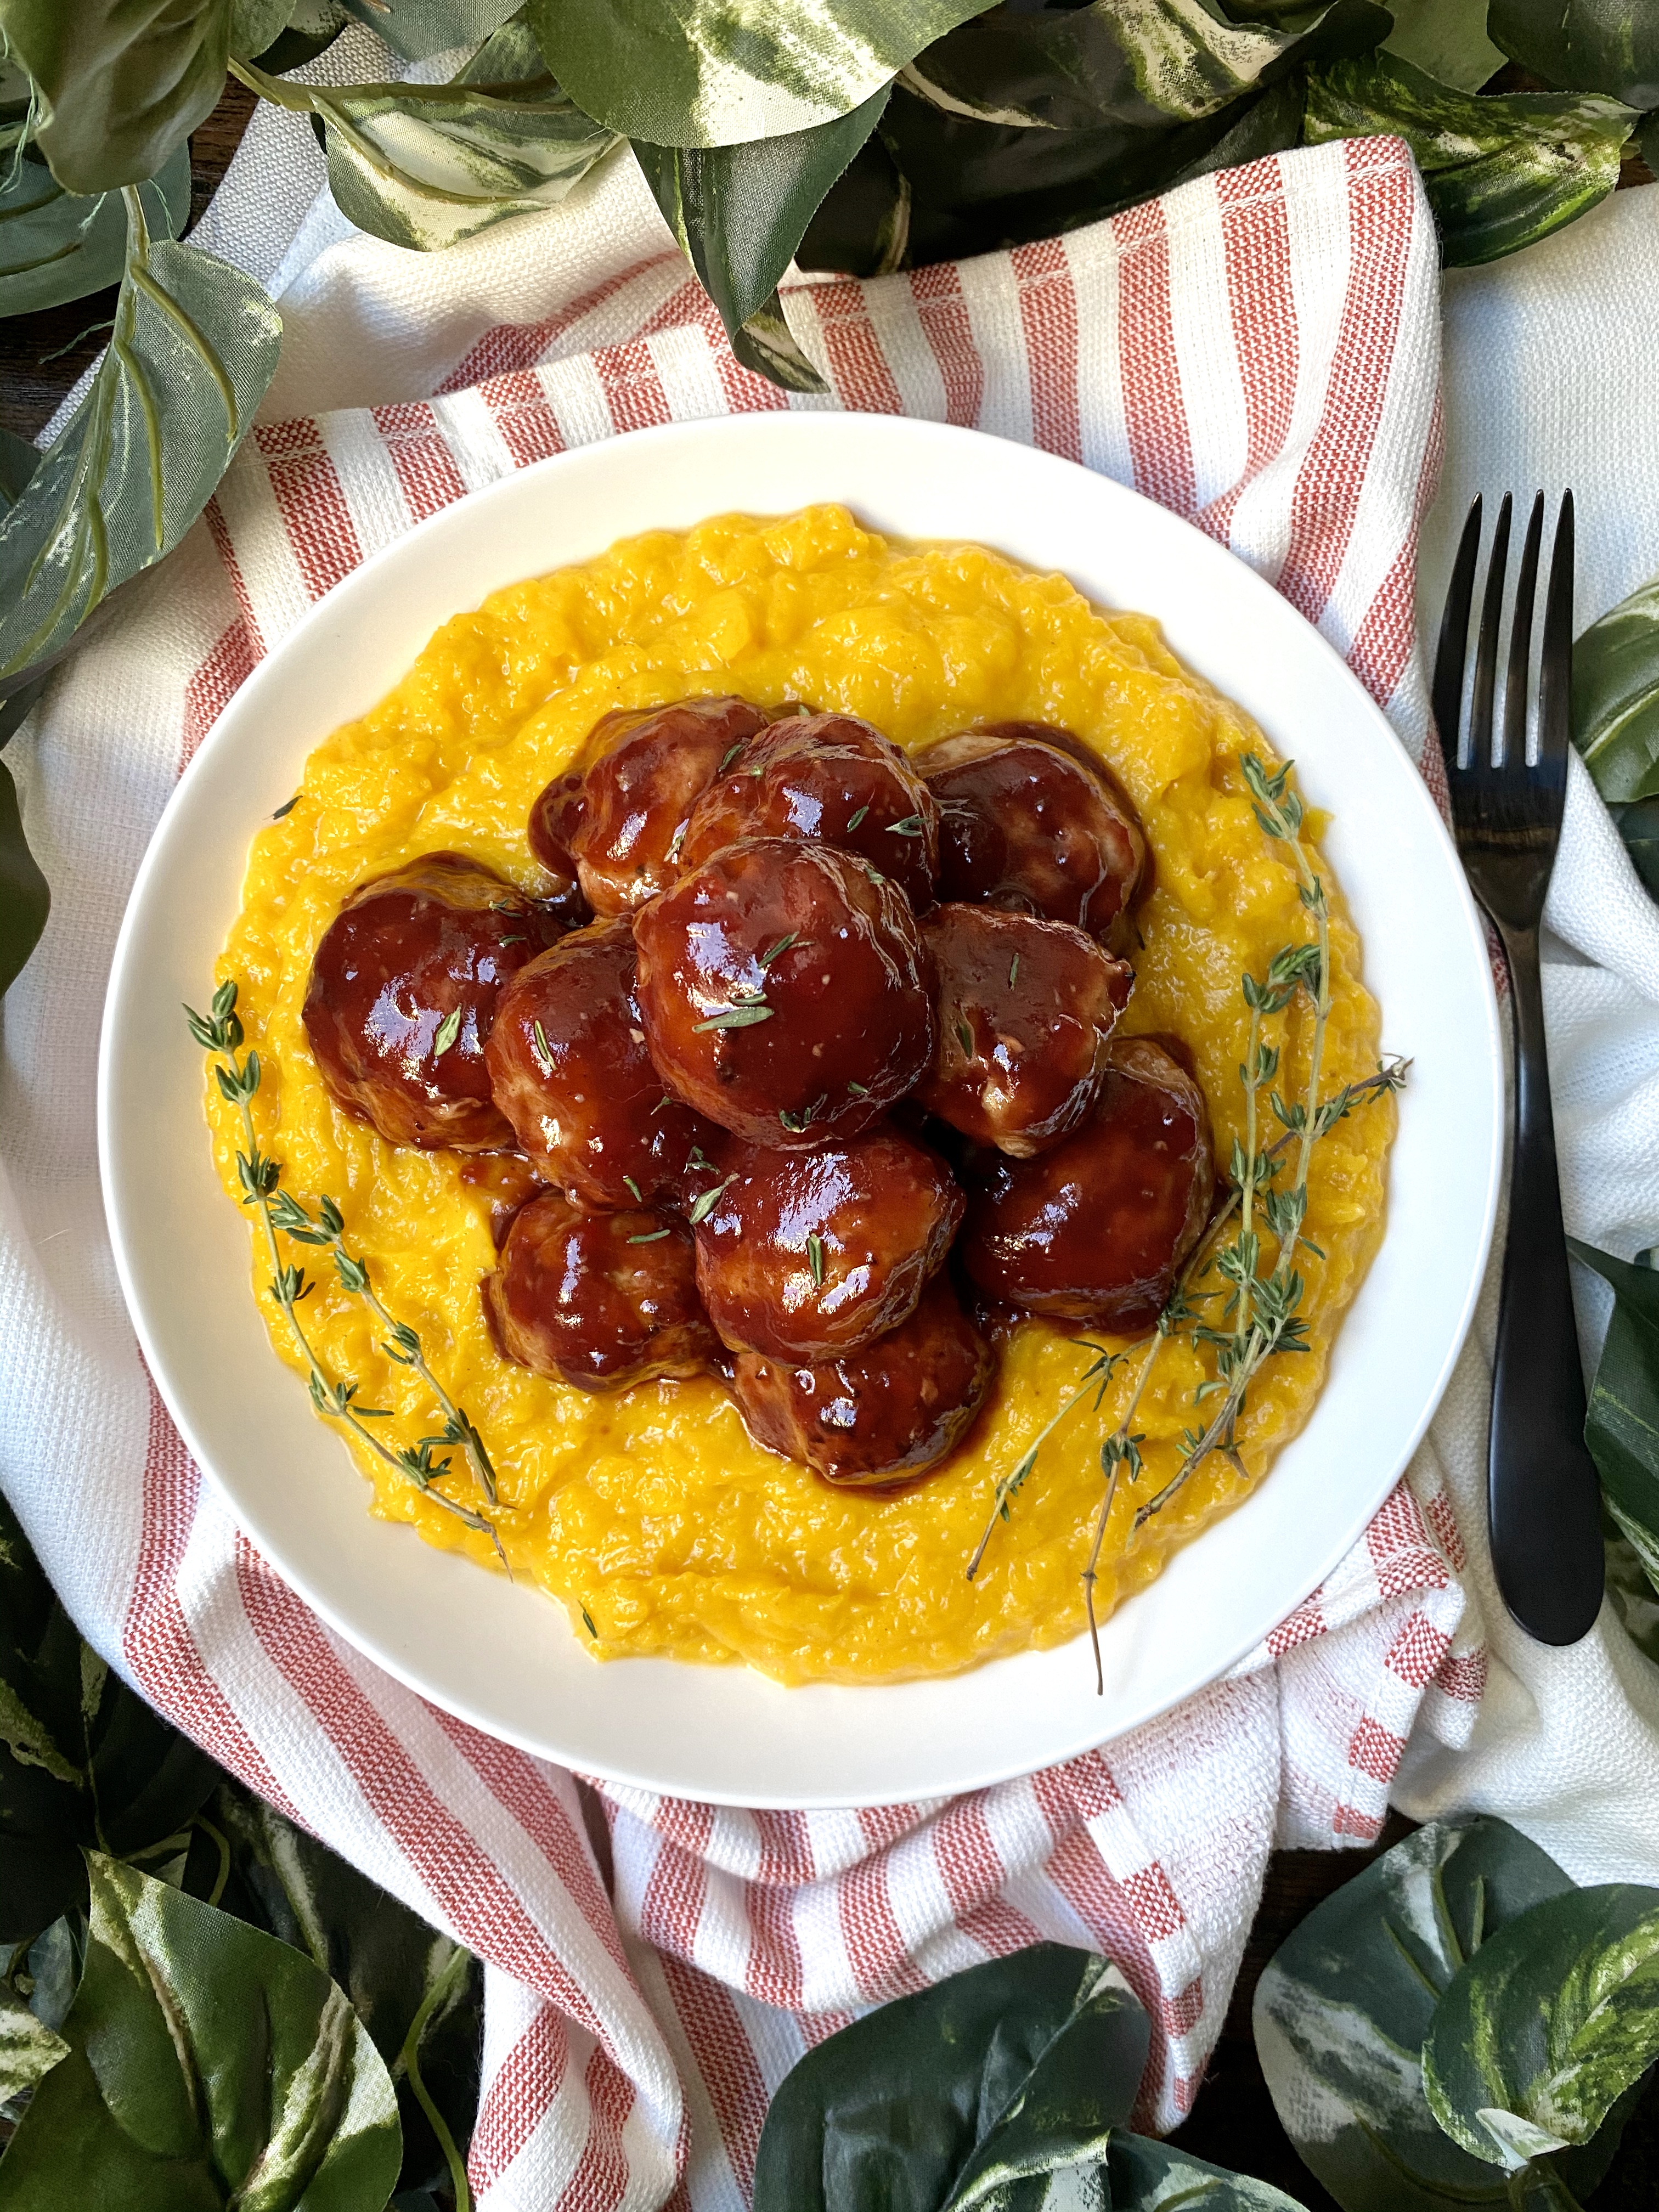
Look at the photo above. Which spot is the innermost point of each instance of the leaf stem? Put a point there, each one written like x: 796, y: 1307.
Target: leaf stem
x: 443, y: 1988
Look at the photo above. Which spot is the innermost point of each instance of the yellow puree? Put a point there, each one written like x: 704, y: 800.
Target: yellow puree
x: 651, y: 1513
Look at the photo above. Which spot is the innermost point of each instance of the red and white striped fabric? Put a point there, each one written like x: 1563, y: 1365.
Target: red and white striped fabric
x: 1258, y: 350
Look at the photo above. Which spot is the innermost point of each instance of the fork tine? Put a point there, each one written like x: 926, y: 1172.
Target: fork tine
x: 1485, y: 651
x: 1555, y: 676
x: 1454, y: 638
x: 1514, y: 754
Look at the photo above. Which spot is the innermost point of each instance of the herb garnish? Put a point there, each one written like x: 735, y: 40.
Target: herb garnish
x: 704, y: 1204
x: 729, y: 756
x: 220, y: 1033
x: 1013, y: 971
x: 678, y: 839
x: 449, y: 1029
x: 782, y: 945
x: 858, y: 1090
x: 543, y: 1052
x: 1261, y: 1312
x: 965, y: 1038
x: 651, y: 1236
x: 815, y: 1257
x: 587, y: 1623
x: 854, y: 820
x: 286, y: 807
x: 912, y: 826
x: 743, y: 1016
x: 796, y: 1123
x: 635, y: 1187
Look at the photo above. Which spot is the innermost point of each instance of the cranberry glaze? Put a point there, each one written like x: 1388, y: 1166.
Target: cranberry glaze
x: 1095, y: 1229
x: 828, y: 776
x: 782, y: 990
x: 891, y: 1411
x: 404, y: 989
x: 805, y: 1256
x: 568, y: 1068
x: 598, y: 1300
x: 1024, y: 1011
x: 1027, y: 824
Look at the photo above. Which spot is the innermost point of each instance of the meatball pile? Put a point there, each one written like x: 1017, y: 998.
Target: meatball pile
x: 809, y: 1057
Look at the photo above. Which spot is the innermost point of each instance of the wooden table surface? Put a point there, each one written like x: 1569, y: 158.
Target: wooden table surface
x: 1233, y: 2123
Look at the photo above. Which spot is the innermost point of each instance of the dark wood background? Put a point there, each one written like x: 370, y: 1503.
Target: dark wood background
x: 1233, y: 2123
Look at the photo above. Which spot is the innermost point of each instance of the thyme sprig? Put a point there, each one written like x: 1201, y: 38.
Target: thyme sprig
x: 220, y: 1033
x: 1261, y: 1312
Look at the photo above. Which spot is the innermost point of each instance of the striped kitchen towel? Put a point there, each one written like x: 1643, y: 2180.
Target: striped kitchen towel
x: 1258, y: 350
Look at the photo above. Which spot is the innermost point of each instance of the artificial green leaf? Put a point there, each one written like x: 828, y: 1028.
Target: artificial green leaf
x: 55, y: 245
x: 1615, y: 697
x: 416, y: 29
x: 680, y: 73
x: 209, y: 2065
x: 740, y: 212
x: 1447, y: 37
x: 937, y: 2102
x: 1592, y: 45
x: 312, y: 28
x: 25, y: 902
x: 1554, y: 2020
x: 1501, y: 174
x: 1621, y: 1423
x: 255, y: 24
x: 121, y: 83
x: 1345, y: 2005
x: 83, y: 1759
x: 193, y: 347
x: 766, y: 344
x: 28, y: 2048
x: 425, y: 166
x: 419, y: 1995
x: 1017, y: 126
x: 1154, y: 2177
x: 1639, y: 825
x: 19, y: 460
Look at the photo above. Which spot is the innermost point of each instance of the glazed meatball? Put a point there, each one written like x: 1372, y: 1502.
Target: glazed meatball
x: 783, y: 993
x: 647, y: 768
x: 404, y: 989
x: 805, y: 1256
x: 599, y: 1300
x: 1095, y: 1229
x: 568, y: 1068
x: 831, y: 776
x: 880, y: 1415
x: 1026, y: 825
x: 1024, y: 1011
x: 554, y: 821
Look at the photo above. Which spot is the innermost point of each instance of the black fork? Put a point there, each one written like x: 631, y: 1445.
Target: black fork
x: 1544, y: 1502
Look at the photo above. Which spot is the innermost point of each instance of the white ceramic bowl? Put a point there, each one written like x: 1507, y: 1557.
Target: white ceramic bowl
x: 503, y: 1656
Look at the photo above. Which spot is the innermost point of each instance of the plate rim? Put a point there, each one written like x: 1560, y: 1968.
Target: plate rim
x: 244, y: 704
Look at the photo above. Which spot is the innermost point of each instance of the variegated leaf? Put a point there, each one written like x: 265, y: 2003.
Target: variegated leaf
x: 28, y: 2048
x: 1548, y: 2027
x: 1346, y: 2004
x: 1594, y: 45
x: 257, y: 24
x: 416, y: 29
x: 120, y: 82
x: 425, y: 166
x: 1154, y: 2177
x: 193, y: 347
x: 997, y: 2089
x: 740, y: 212
x: 1500, y: 172
x: 1615, y: 697
x: 1447, y: 37
x: 692, y: 73
x: 207, y: 2064
x: 56, y: 245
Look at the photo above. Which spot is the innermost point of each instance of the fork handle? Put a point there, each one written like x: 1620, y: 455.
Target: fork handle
x: 1543, y: 1495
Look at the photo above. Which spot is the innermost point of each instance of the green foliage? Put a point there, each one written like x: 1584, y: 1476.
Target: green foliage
x: 1621, y: 1424
x: 425, y: 166
x: 208, y: 2063
x: 679, y: 73
x: 1447, y: 37
x: 121, y: 83
x: 1639, y: 825
x: 416, y: 29
x: 1548, y: 2026
x: 1145, y: 2176
x: 28, y: 2048
x: 55, y: 245
x: 1020, y: 126
x: 193, y: 347
x: 951, y: 2098
x: 1501, y: 174
x: 82, y: 1759
x: 1615, y: 697
x: 1598, y: 45
x: 739, y: 213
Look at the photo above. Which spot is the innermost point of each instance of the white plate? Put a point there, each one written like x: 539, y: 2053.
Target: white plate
x: 503, y: 1656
